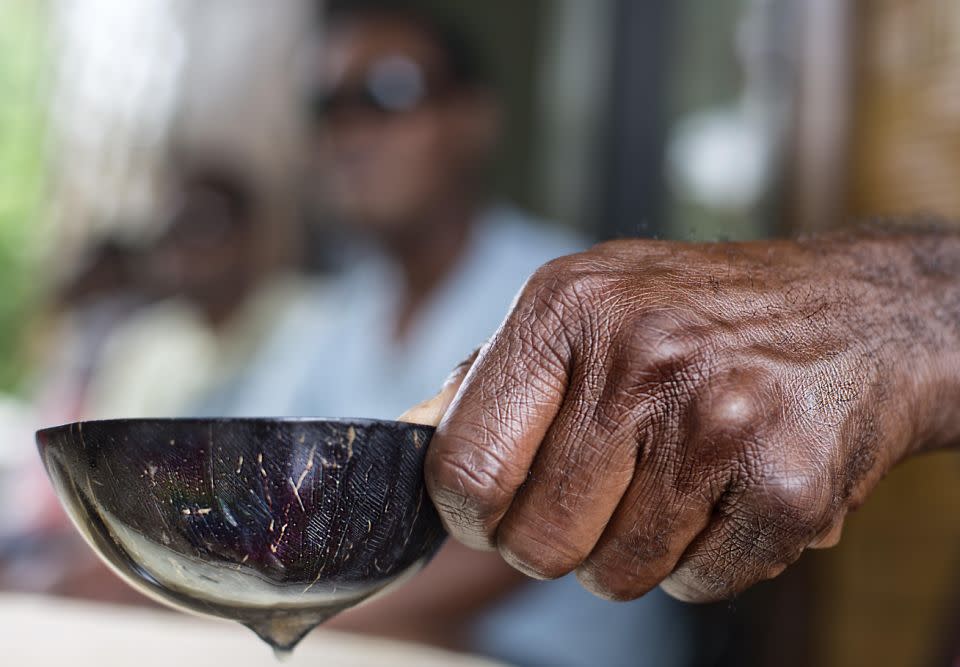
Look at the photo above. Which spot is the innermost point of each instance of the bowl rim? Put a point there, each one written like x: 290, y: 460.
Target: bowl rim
x: 131, y: 421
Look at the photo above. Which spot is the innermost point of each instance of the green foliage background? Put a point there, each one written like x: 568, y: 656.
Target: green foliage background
x: 23, y: 61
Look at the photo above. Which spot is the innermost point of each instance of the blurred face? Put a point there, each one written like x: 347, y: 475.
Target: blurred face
x: 396, y: 137
x: 206, y: 254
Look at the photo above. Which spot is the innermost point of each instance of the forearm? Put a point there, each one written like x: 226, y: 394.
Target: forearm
x: 916, y: 271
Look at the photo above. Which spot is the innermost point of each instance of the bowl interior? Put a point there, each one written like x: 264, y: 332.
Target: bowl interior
x: 277, y: 523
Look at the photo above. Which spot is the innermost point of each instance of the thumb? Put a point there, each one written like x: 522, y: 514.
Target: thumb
x: 431, y: 411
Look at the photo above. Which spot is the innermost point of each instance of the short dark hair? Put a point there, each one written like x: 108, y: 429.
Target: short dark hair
x: 462, y: 57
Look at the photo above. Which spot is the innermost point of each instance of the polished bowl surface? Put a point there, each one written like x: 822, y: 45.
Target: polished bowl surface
x: 276, y: 523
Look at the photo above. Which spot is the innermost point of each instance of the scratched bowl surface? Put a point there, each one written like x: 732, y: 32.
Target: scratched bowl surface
x: 277, y: 523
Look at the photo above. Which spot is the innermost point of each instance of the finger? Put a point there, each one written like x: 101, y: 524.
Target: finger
x: 659, y: 515
x: 757, y: 535
x: 431, y: 411
x: 644, y: 540
x: 587, y: 459
x: 581, y: 470
x: 772, y: 504
x: 665, y: 503
x: 485, y: 444
x: 622, y: 420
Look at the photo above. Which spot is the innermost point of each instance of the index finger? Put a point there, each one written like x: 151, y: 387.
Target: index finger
x: 485, y: 444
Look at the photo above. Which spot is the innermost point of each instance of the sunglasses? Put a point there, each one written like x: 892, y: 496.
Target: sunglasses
x: 391, y: 86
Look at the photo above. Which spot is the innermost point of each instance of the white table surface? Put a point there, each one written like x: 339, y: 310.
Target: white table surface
x: 39, y: 632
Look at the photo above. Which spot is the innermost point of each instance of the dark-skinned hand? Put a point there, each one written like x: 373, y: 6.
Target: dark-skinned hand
x: 696, y: 415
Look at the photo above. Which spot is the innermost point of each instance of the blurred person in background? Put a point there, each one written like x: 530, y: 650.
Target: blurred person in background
x: 406, y: 122
x: 215, y: 301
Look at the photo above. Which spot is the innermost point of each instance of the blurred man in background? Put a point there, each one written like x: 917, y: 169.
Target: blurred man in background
x: 406, y: 120
x: 215, y: 300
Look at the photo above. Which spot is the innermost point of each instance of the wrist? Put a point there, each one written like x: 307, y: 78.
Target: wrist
x: 926, y: 316
x: 937, y: 380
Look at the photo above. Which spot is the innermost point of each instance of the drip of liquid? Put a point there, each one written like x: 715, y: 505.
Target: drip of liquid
x: 282, y: 631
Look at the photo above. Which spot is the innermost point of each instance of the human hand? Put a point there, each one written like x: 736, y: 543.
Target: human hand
x: 696, y: 416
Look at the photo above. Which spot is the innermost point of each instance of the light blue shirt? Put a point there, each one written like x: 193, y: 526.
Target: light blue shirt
x: 334, y: 355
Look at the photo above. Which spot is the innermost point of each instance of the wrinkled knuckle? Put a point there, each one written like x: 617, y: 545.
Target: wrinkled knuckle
x: 551, y: 277
x: 769, y: 527
x: 662, y: 339
x: 610, y: 583
x: 583, y: 290
x: 539, y: 553
x: 559, y: 266
x: 563, y: 294
x: 657, y: 339
x: 545, y: 301
x: 618, y: 572
x: 571, y: 275
x: 750, y: 548
x: 638, y: 550
x: 798, y: 500
x: 742, y: 410
x: 674, y: 353
x: 465, y: 492
x: 736, y: 412
x: 650, y: 355
x: 752, y: 539
x: 753, y: 550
